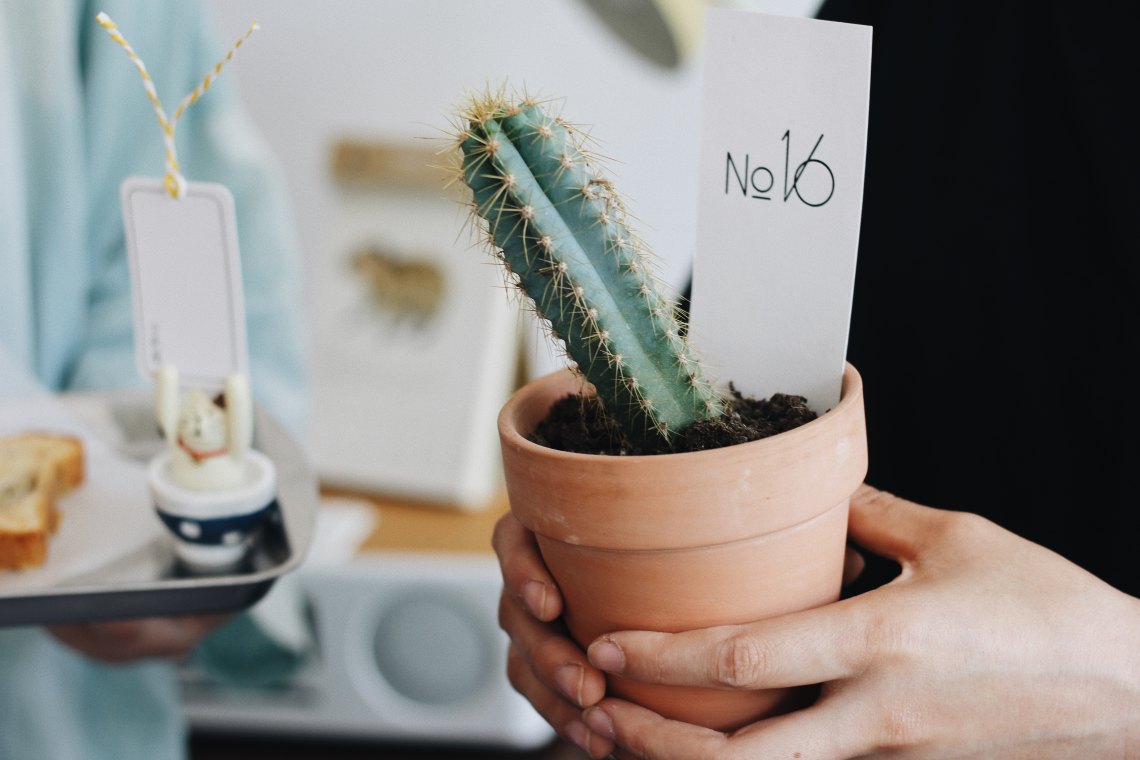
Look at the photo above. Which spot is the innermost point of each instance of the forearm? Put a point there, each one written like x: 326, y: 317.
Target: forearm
x: 1128, y: 644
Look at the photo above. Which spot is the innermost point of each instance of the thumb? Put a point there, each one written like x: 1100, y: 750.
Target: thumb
x: 887, y: 525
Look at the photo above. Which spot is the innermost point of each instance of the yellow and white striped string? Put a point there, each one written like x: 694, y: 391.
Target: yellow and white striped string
x: 174, y: 182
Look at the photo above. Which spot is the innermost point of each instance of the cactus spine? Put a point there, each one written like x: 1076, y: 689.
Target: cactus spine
x: 558, y: 226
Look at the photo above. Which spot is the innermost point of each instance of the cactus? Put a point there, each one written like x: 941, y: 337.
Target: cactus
x: 560, y: 229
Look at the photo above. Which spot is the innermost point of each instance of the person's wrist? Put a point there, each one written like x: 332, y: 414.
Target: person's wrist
x: 1132, y: 634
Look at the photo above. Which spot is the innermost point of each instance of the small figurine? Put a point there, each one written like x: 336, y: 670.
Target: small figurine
x: 211, y: 488
x: 208, y: 440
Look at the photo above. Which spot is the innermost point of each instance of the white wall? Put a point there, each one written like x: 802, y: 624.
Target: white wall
x: 396, y: 68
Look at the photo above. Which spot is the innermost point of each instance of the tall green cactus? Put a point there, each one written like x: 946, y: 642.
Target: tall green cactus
x: 560, y: 228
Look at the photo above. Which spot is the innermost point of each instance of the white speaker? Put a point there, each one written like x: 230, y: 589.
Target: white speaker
x: 406, y: 648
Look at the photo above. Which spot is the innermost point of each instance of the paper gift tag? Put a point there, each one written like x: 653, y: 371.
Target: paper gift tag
x: 185, y: 281
x: 780, y: 199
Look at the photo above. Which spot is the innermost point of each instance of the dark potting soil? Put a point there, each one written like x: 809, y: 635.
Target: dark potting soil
x: 578, y: 424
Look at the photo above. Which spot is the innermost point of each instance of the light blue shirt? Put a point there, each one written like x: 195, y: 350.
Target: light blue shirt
x: 74, y: 121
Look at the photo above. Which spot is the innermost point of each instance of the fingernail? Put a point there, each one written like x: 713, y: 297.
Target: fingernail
x: 600, y: 723
x: 569, y: 679
x: 534, y: 595
x: 579, y: 734
x: 606, y: 655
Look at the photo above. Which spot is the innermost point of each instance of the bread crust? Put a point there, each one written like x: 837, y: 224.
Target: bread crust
x: 35, y: 468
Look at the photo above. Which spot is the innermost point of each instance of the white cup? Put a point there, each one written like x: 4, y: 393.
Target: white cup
x: 211, y: 530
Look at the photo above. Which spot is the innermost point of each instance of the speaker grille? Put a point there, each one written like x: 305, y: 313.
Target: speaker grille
x: 432, y: 649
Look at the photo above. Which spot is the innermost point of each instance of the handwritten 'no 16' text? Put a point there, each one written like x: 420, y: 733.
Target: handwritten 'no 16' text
x: 811, y: 181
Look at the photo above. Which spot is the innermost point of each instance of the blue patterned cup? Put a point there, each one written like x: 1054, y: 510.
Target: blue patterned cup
x: 212, y: 530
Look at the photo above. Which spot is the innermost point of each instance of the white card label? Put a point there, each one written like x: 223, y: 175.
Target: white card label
x: 185, y: 281
x: 780, y: 198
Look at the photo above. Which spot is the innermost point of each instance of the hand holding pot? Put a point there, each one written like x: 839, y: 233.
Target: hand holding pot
x: 543, y: 663
x: 986, y: 646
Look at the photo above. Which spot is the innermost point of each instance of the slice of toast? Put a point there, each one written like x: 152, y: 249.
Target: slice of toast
x: 35, y: 469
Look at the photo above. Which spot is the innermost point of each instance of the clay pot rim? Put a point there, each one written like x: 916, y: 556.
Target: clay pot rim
x: 681, y: 550
x: 851, y: 394
x: 759, y: 487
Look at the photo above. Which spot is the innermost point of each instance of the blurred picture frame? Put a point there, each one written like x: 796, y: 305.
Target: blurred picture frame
x: 415, y: 342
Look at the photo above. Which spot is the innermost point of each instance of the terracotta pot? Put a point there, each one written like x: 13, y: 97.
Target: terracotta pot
x: 681, y: 541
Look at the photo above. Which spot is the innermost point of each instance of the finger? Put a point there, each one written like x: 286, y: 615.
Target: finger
x: 564, y: 717
x: 646, y: 734
x: 887, y: 525
x: 123, y: 641
x: 853, y: 566
x: 834, y: 728
x: 822, y: 732
x: 822, y: 644
x: 524, y: 573
x: 556, y: 661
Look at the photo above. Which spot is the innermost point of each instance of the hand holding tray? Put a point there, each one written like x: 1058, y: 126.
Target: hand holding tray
x: 111, y: 557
